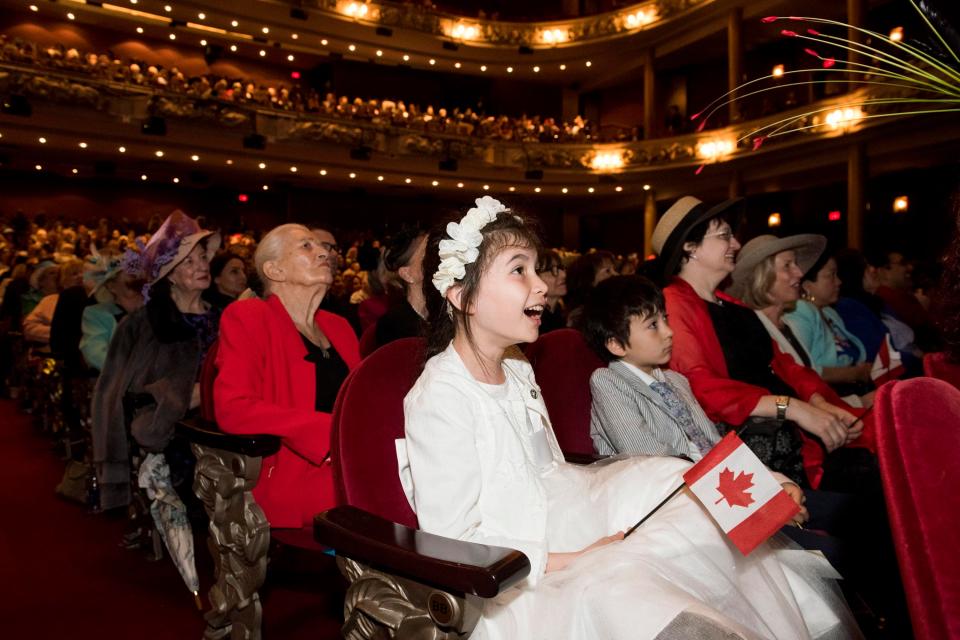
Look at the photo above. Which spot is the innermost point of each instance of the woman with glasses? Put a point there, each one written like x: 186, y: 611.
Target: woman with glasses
x: 551, y: 270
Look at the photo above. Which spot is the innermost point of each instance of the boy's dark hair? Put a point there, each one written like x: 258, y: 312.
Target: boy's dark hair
x: 611, y: 306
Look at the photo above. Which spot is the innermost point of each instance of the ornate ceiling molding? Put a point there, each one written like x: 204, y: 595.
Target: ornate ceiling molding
x: 479, y: 32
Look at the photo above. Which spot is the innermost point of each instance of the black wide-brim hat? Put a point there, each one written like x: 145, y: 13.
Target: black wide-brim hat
x: 674, y: 227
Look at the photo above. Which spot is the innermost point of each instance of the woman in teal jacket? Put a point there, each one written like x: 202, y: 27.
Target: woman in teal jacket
x: 835, y: 353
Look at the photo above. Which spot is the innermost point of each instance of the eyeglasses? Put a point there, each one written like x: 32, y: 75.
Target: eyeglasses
x: 333, y: 248
x: 725, y: 236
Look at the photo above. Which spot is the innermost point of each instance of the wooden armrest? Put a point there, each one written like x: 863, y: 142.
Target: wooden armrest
x: 206, y: 433
x: 452, y: 565
x: 583, y: 458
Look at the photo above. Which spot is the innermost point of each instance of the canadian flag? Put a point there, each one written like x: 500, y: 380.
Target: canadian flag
x: 741, y: 494
x: 887, y: 365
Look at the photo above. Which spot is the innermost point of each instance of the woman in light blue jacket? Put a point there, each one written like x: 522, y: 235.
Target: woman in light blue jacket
x: 117, y: 294
x: 835, y: 353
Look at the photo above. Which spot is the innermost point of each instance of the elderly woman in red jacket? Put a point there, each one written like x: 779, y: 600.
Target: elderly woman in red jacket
x: 280, y: 364
x: 736, y: 371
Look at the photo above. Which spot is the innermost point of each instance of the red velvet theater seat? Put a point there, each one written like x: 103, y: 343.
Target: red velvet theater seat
x: 918, y: 438
x: 563, y: 364
x: 936, y: 365
x: 367, y: 419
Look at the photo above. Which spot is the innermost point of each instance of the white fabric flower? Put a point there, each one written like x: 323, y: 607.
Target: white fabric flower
x: 462, y: 246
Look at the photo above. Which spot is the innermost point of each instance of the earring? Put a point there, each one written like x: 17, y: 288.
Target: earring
x: 449, y: 308
x: 693, y: 256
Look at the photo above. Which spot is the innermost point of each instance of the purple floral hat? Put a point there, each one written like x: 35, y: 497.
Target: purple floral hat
x: 168, y: 246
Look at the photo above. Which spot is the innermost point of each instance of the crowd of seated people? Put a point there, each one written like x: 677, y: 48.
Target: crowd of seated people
x: 295, y: 98
x: 715, y: 335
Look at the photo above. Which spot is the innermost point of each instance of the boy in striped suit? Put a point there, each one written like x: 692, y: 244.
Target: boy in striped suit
x: 637, y: 406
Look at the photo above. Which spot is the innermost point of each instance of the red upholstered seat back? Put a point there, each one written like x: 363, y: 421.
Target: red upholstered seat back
x: 367, y: 419
x: 368, y: 340
x: 563, y: 363
x: 918, y: 445
x: 936, y: 365
x: 208, y: 373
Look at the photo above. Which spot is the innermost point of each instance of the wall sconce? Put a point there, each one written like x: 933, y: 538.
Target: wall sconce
x: 844, y: 118
x: 773, y: 220
x: 901, y: 204
x: 607, y: 161
x: 463, y: 31
x: 715, y: 149
x: 639, y: 18
x: 896, y: 34
x: 777, y: 71
x: 553, y: 36
x: 356, y: 9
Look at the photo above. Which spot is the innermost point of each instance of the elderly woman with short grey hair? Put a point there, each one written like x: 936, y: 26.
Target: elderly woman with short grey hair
x: 280, y: 363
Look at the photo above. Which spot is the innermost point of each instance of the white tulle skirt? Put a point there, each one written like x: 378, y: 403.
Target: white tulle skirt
x: 677, y: 576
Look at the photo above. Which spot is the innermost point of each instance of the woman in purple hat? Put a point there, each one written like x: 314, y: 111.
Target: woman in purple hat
x: 149, y: 377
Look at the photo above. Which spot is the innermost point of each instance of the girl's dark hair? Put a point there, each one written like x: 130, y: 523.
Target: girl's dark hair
x: 548, y: 260
x: 611, y: 306
x: 220, y: 262
x: 397, y: 253
x: 507, y: 230
x: 814, y: 271
x: 581, y: 274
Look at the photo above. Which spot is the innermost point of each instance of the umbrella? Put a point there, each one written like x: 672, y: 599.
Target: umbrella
x: 170, y: 515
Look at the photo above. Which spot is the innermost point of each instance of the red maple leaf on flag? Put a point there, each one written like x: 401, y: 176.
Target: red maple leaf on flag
x: 734, y: 490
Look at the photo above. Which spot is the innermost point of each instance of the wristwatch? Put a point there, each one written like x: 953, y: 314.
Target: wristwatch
x: 782, y: 403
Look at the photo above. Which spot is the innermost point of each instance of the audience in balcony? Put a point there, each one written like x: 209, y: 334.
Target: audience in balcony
x: 301, y: 99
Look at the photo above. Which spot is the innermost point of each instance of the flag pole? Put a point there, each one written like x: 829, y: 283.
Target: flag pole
x: 654, y: 510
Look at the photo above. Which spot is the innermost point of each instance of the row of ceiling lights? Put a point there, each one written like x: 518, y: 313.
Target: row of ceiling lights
x: 160, y: 153
x: 325, y: 42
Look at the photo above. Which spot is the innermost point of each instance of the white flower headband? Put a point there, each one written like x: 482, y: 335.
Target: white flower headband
x: 461, y: 248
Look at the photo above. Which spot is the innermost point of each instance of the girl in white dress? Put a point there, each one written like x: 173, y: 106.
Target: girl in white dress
x: 480, y: 462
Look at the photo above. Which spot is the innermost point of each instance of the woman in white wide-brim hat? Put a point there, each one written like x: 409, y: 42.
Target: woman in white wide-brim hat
x: 154, y: 357
x: 737, y: 373
x: 769, y: 279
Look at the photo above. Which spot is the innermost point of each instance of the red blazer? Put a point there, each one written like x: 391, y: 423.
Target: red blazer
x: 264, y: 385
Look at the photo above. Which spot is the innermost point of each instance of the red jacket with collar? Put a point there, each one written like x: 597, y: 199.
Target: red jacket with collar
x: 264, y: 385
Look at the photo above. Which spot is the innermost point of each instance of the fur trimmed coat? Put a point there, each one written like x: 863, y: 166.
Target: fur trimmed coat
x: 146, y: 356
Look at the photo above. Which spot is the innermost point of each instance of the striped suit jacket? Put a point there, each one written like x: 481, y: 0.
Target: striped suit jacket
x: 627, y: 416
